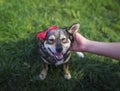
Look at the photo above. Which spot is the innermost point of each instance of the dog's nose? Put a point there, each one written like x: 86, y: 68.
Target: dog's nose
x: 59, y: 49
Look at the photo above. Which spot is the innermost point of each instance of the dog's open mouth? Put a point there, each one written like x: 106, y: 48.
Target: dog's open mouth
x: 58, y: 55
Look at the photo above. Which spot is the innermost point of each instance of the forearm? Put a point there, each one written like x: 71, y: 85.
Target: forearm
x: 107, y: 49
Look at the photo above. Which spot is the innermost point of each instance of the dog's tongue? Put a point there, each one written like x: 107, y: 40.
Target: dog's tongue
x: 59, y: 55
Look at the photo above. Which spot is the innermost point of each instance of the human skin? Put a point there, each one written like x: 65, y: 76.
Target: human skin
x: 109, y: 49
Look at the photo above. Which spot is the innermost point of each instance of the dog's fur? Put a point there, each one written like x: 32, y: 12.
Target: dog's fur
x: 55, y: 49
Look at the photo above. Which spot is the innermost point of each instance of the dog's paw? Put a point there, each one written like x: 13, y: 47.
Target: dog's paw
x: 42, y: 76
x: 67, y: 76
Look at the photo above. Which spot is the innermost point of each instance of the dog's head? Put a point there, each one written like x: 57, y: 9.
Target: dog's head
x: 57, y: 41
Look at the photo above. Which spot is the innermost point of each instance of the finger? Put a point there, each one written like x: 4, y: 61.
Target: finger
x: 74, y: 34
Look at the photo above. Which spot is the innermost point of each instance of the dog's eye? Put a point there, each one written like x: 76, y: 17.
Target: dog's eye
x: 51, y: 40
x: 63, y: 39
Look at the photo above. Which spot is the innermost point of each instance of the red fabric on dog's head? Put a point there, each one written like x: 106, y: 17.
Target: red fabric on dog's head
x: 42, y: 35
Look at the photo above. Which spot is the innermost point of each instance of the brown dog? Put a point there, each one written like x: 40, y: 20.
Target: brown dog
x: 54, y: 47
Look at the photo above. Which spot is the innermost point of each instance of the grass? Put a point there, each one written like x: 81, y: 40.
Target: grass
x: 20, y: 63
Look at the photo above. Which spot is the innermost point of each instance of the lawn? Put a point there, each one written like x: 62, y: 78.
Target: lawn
x: 20, y: 63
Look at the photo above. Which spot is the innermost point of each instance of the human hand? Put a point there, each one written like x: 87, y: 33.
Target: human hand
x: 79, y: 43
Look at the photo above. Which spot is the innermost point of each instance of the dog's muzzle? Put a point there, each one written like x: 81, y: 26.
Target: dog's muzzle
x: 59, y: 49
x: 59, y: 54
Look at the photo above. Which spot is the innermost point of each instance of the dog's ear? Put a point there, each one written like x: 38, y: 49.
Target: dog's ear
x: 74, y: 28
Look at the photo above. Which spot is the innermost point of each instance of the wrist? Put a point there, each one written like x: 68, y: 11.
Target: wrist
x: 86, y: 45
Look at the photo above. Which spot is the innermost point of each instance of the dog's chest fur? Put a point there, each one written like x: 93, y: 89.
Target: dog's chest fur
x: 47, y: 58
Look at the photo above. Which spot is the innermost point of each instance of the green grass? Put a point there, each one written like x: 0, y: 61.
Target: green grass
x: 20, y: 63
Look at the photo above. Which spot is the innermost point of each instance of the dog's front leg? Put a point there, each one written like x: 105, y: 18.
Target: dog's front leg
x: 43, y: 73
x: 67, y: 74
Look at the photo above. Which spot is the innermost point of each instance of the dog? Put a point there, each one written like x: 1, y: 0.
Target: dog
x: 54, y: 48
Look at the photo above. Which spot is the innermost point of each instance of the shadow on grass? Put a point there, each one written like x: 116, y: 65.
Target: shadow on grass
x: 20, y: 66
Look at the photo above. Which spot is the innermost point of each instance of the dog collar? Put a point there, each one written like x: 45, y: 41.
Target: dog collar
x: 42, y: 35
